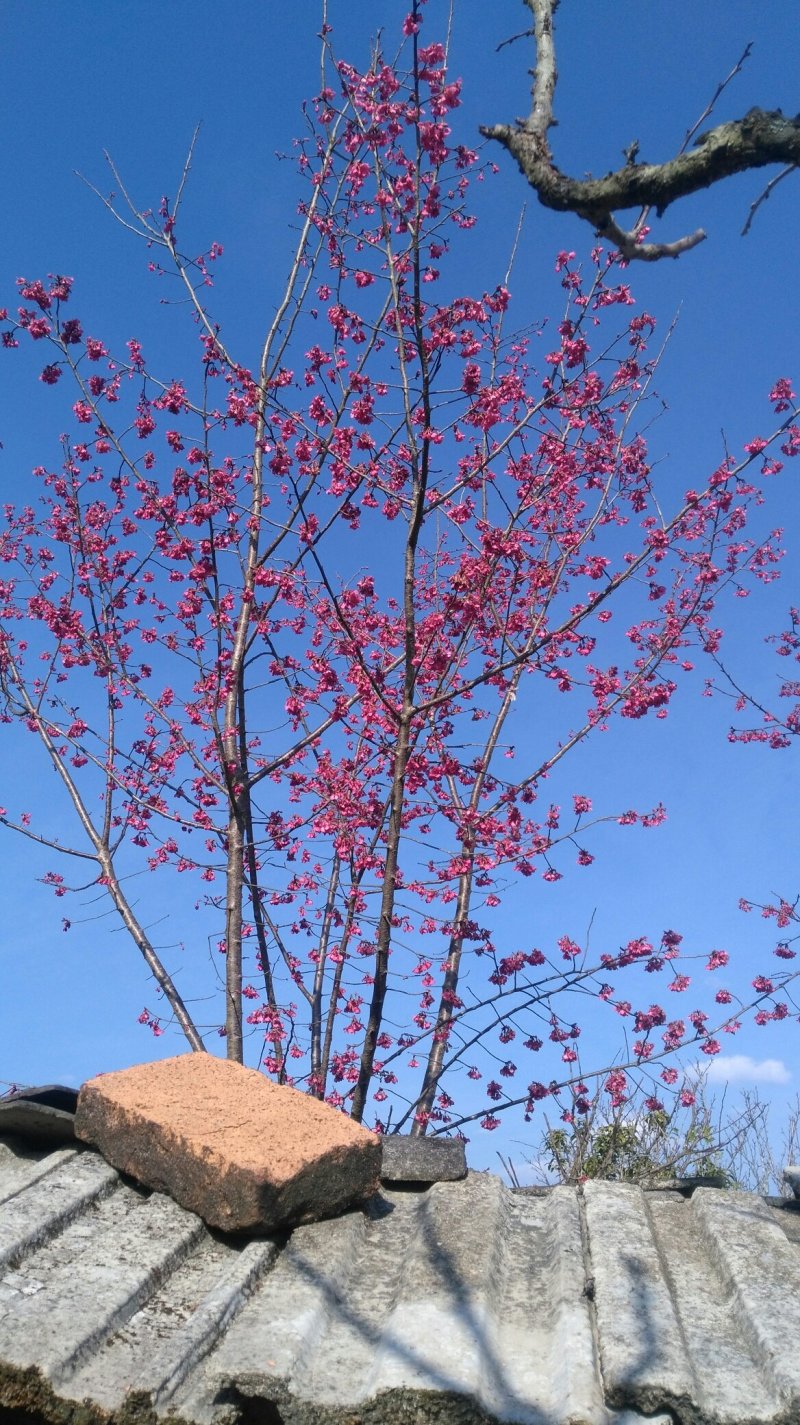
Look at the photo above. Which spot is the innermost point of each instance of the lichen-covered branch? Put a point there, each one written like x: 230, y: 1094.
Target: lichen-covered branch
x: 759, y: 139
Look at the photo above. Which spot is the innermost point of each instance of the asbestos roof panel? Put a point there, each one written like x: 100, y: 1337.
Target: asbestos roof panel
x: 464, y: 1302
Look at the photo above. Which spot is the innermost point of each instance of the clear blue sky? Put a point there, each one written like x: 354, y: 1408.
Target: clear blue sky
x: 135, y: 78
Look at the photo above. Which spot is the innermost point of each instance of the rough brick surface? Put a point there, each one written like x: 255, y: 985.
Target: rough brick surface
x: 423, y: 1160
x: 245, y: 1154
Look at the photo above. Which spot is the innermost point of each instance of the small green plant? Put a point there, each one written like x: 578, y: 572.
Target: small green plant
x: 700, y: 1139
x: 650, y: 1148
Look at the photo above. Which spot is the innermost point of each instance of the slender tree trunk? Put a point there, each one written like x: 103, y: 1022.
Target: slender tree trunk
x: 384, y: 938
x: 333, y: 999
x: 161, y: 976
x: 433, y: 1068
x: 251, y: 885
x: 420, y: 461
x: 319, y: 980
x: 447, y: 1000
x: 233, y: 938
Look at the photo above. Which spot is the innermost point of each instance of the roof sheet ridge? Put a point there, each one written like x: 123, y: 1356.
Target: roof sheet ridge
x: 27, y: 1171
x: 642, y: 1346
x: 58, y: 1328
x: 415, y: 1291
x: 760, y: 1269
x: 51, y: 1201
x: 171, y: 1363
x: 286, y: 1318
x: 574, y: 1360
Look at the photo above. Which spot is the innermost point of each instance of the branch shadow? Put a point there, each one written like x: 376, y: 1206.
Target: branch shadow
x: 433, y: 1390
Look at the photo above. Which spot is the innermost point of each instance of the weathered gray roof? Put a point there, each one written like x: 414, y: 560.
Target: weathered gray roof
x: 462, y: 1302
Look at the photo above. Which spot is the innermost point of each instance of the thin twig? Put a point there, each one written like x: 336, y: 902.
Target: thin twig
x: 773, y: 183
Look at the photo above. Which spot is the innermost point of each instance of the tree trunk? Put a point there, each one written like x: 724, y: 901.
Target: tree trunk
x: 233, y: 938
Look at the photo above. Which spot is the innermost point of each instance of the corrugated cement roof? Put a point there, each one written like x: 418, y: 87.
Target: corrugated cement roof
x: 462, y: 1302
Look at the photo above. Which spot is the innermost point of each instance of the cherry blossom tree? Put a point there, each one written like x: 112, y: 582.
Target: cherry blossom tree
x: 310, y: 634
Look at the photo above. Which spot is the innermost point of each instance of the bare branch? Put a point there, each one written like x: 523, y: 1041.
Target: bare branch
x: 761, y: 138
x: 762, y: 198
x: 711, y: 105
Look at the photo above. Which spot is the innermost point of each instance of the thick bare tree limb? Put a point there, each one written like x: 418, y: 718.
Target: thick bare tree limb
x: 761, y: 138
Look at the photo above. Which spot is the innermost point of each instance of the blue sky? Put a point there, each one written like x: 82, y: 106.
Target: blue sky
x: 134, y: 79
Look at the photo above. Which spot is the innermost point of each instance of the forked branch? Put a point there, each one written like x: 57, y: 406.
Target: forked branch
x: 762, y: 137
